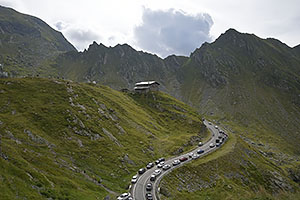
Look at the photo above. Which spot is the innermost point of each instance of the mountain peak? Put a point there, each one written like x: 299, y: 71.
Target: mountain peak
x: 232, y: 31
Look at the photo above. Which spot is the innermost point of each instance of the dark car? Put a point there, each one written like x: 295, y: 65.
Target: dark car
x: 200, y: 151
x: 150, y: 165
x: 142, y: 170
x: 149, y: 196
x: 182, y: 159
x: 217, y: 141
x: 152, y: 177
x: 161, y: 159
x: 149, y: 187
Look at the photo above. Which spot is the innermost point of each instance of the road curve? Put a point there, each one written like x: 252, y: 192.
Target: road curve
x: 138, y: 190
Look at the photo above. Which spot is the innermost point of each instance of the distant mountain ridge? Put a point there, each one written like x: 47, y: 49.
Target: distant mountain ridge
x: 235, y: 76
x: 247, y: 85
x: 243, y: 70
x: 26, y: 43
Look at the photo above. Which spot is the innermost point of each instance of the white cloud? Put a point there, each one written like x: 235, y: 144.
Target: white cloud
x: 172, y: 32
x: 114, y: 21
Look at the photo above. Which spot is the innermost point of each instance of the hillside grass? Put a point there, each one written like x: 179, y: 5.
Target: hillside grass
x: 238, y: 170
x: 65, y: 140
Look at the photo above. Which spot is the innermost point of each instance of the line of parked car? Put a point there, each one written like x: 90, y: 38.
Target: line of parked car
x: 160, y: 164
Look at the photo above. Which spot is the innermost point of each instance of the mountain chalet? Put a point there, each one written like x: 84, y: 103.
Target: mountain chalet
x: 146, y: 86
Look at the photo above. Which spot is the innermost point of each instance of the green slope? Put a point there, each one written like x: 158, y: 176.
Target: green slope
x: 26, y: 43
x: 252, y: 87
x: 245, y: 79
x: 65, y: 140
x: 236, y: 171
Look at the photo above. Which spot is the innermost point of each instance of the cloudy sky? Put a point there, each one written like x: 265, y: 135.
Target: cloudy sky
x: 164, y: 27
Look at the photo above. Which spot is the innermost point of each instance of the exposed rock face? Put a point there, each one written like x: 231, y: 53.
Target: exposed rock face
x: 3, y: 74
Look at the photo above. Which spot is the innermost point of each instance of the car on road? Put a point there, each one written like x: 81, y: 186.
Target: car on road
x: 200, y: 144
x: 142, y: 170
x: 161, y: 164
x: 134, y: 179
x: 157, y: 172
x: 200, y: 151
x: 166, y: 167
x: 175, y: 162
x: 217, y: 140
x: 125, y: 196
x: 183, y: 158
x: 149, y: 187
x: 191, y: 154
x: 211, y: 145
x: 161, y: 159
x: 149, y: 196
x: 152, y: 177
x: 218, y: 144
x: 157, y: 162
x: 216, y: 127
x: 209, y: 123
x: 195, y: 156
x: 150, y: 165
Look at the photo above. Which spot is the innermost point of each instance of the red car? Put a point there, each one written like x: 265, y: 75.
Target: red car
x: 182, y: 159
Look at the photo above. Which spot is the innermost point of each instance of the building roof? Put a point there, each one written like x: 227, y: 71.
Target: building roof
x: 146, y: 83
x: 141, y: 88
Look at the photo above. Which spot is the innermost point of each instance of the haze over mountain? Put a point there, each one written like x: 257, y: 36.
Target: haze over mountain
x: 251, y: 86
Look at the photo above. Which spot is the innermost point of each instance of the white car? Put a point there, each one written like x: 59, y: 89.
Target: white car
x: 211, y: 145
x: 191, y: 154
x: 124, y: 196
x: 216, y: 127
x: 157, y: 172
x: 195, y: 156
x: 166, y: 167
x: 176, y: 162
x: 200, y: 144
x: 134, y: 179
x: 161, y: 164
x: 209, y: 123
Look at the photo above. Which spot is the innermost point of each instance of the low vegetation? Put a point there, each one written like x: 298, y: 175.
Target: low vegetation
x: 65, y: 140
x: 241, y: 169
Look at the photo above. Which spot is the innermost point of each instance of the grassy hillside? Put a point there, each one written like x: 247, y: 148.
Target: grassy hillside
x: 65, y: 140
x: 26, y: 43
x: 244, y: 79
x: 251, y: 86
x: 241, y: 169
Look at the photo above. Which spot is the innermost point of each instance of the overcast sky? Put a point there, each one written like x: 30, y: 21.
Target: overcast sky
x: 164, y: 27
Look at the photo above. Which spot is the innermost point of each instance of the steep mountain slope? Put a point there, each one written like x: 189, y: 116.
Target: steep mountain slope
x: 119, y: 67
x: 297, y: 49
x: 26, y: 42
x: 64, y: 140
x: 252, y: 87
x: 248, y: 80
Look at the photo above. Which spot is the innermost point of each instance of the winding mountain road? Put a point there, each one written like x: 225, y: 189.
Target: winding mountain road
x: 138, y: 190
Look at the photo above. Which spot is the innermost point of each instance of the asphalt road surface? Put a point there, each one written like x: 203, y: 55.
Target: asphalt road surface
x: 138, y: 190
